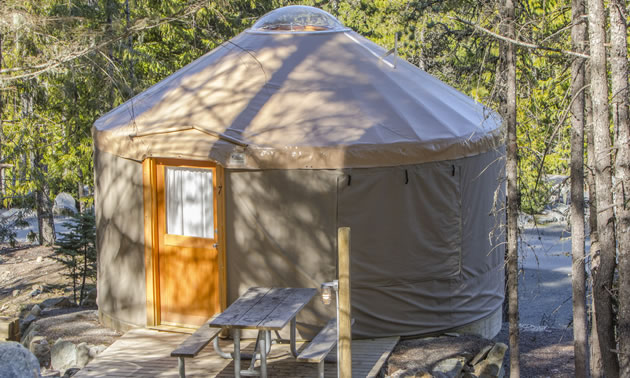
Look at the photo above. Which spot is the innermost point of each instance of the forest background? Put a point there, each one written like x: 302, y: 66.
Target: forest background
x: 64, y: 63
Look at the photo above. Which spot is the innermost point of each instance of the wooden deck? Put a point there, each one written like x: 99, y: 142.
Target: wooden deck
x: 146, y: 353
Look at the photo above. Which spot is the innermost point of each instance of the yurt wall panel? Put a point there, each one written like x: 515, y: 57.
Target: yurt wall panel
x: 120, y: 239
x: 414, y: 233
x: 281, y: 231
x: 483, y: 213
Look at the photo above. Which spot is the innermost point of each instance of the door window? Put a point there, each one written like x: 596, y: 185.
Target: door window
x: 189, y: 202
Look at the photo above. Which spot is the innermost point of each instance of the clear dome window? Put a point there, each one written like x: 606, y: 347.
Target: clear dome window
x: 298, y: 18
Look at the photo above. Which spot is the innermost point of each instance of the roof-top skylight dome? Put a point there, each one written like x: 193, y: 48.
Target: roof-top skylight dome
x: 298, y: 19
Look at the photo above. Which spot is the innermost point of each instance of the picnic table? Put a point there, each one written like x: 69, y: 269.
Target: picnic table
x: 263, y: 309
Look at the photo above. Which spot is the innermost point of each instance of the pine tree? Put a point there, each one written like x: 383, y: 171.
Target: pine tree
x: 76, y: 251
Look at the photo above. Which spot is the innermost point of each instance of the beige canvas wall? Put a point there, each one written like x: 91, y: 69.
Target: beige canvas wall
x: 281, y: 231
x: 120, y: 240
x: 423, y: 258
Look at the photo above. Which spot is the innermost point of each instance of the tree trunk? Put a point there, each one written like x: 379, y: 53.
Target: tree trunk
x: 596, y: 364
x: 45, y: 219
x: 80, y: 191
x: 619, y: 84
x: 580, y: 322
x: 603, y: 274
x: 509, y: 59
x: 2, y: 181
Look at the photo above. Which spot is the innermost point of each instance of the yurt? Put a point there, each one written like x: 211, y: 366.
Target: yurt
x: 237, y: 170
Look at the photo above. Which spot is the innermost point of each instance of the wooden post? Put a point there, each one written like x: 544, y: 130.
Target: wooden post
x: 345, y: 316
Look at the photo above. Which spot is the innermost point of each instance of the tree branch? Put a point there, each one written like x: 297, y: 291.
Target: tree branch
x: 520, y: 43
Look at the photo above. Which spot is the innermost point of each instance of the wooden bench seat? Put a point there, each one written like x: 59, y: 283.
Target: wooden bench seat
x: 190, y: 347
x: 317, y: 350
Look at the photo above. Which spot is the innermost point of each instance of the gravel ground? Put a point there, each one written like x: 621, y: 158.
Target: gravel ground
x: 544, y: 352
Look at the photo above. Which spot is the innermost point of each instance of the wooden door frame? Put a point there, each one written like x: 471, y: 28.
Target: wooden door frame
x: 151, y: 266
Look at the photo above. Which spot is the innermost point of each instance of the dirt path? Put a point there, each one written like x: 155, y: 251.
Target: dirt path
x: 24, y: 270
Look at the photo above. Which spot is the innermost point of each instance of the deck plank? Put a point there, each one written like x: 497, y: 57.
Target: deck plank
x: 146, y: 353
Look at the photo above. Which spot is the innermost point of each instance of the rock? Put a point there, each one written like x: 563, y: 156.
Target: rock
x: 481, y: 355
x: 90, y: 299
x: 492, y: 365
x: 35, y: 293
x: 24, y: 323
x: 96, y: 350
x: 64, y: 204
x: 17, y: 361
x: 29, y: 334
x: 412, y: 373
x: 4, y: 307
x: 449, y: 368
x: 15, y: 293
x: 60, y: 302
x: 50, y: 373
x: 39, y: 259
x: 83, y: 355
x: 63, y: 355
x: 41, y: 349
x: 70, y: 372
x: 36, y: 310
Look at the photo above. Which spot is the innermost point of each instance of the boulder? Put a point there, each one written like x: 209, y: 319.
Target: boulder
x: 64, y: 204
x: 41, y: 349
x: 83, y: 355
x: 96, y: 350
x: 24, y: 323
x: 36, y: 310
x: 70, y: 372
x: 63, y: 355
x: 17, y: 361
x: 449, y: 368
x: 29, y: 334
x: 59, y: 302
x: 492, y: 365
x: 50, y: 373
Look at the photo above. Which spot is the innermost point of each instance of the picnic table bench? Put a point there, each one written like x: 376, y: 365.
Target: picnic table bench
x: 317, y: 350
x: 194, y: 344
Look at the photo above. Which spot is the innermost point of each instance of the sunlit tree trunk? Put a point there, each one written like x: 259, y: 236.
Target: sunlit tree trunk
x: 596, y: 365
x: 619, y: 86
x: 509, y: 58
x: 603, y: 274
x: 45, y: 219
x: 580, y: 322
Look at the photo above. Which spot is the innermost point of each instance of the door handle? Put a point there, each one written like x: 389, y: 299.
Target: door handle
x: 215, y: 245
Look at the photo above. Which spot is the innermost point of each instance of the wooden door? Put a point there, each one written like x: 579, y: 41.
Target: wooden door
x: 187, y: 244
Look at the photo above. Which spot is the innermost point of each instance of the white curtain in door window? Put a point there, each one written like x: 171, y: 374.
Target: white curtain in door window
x: 189, y: 205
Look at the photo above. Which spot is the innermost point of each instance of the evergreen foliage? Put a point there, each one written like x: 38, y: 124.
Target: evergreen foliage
x: 76, y: 250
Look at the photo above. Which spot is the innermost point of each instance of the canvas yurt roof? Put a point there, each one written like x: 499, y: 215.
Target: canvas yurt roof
x: 299, y: 90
